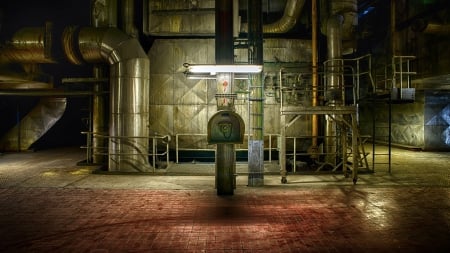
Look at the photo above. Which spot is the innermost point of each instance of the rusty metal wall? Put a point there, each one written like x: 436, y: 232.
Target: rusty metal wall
x: 179, y: 17
x: 437, y: 120
x: 424, y: 124
x: 182, y: 106
x: 407, y: 121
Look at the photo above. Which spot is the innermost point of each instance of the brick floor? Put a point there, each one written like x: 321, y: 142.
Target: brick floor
x: 49, y: 204
x: 330, y: 219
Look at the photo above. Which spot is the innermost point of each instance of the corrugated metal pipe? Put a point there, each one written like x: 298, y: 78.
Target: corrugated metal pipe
x: 287, y: 22
x: 129, y: 88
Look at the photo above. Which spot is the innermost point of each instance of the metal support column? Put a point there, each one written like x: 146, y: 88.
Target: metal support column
x: 225, y: 153
x: 256, y: 137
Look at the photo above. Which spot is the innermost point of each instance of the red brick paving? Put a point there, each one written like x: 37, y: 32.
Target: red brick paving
x: 328, y: 219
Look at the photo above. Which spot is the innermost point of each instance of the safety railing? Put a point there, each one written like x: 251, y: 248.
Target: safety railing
x: 401, y: 71
x: 268, y: 137
x: 153, y: 151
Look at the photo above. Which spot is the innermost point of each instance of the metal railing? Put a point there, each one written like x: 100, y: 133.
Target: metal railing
x: 154, y: 152
x: 178, y: 148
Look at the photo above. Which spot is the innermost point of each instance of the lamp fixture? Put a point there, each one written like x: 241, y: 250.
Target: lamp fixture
x: 209, y: 76
x: 213, y: 69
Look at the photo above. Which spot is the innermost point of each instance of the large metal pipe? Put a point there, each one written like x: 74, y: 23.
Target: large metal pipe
x: 334, y: 66
x: 286, y: 22
x: 334, y: 73
x: 128, y: 18
x: 315, y: 80
x: 29, y: 45
x: 130, y: 78
x: 348, y: 9
x: 34, y: 125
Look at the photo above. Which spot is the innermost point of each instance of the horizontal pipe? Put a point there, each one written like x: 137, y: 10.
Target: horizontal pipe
x: 29, y: 45
x: 39, y: 93
x: 438, y: 29
x: 129, y: 86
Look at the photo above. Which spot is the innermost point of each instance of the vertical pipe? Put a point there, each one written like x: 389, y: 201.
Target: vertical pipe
x: 128, y: 145
x: 315, y: 94
x: 393, y: 29
x: 101, y: 16
x: 256, y: 144
x: 333, y: 83
x: 128, y: 18
x: 225, y: 165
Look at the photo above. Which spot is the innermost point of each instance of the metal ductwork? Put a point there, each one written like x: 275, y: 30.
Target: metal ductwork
x: 287, y: 22
x: 34, y: 125
x: 129, y: 88
x: 348, y: 10
x: 28, y: 46
x: 341, y: 18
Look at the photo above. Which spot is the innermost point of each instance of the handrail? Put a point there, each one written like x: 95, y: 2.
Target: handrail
x: 154, y: 149
x: 178, y: 135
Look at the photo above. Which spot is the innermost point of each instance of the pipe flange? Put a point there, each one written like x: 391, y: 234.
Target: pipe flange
x: 70, y: 45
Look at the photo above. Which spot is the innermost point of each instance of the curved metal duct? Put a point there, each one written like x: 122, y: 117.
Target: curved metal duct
x: 130, y: 78
x: 287, y: 22
x: 348, y: 9
x: 34, y: 125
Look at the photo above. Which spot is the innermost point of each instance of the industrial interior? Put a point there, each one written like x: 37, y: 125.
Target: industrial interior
x: 305, y: 86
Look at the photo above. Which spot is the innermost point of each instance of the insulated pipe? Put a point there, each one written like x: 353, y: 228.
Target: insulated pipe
x: 287, y: 22
x: 334, y: 87
x: 348, y: 10
x: 128, y: 18
x: 315, y: 94
x: 29, y: 45
x: 130, y: 78
x: 334, y: 66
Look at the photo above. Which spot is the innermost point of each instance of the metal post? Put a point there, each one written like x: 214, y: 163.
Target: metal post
x: 225, y: 153
x: 256, y: 143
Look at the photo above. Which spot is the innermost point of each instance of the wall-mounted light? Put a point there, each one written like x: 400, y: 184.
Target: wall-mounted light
x: 213, y: 69
x: 209, y: 76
